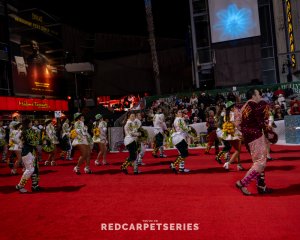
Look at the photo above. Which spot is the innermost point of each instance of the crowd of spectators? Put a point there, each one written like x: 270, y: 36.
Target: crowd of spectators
x: 197, y: 106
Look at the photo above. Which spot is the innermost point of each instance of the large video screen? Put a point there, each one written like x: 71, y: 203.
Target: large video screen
x: 233, y: 19
x: 36, y: 52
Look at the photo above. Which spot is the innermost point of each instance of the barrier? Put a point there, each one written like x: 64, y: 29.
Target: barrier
x: 292, y: 133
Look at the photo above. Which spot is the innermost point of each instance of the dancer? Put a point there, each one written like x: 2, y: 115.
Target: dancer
x: 30, y: 140
x: 232, y: 134
x: 100, y: 138
x: 38, y: 128
x: 3, y: 142
x: 142, y: 140
x: 211, y: 123
x: 51, y: 141
x: 81, y: 142
x: 255, y: 114
x: 159, y: 128
x: 130, y: 141
x: 271, y: 124
x: 16, y: 119
x: 15, y: 146
x: 179, y: 139
x: 66, y: 145
x: 225, y: 153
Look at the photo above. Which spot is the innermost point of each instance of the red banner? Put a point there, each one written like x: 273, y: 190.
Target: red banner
x: 32, y: 104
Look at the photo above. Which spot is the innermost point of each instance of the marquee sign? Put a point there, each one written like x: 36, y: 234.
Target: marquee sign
x: 290, y: 32
x: 32, y: 104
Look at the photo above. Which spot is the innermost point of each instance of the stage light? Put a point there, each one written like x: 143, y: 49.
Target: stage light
x: 69, y: 97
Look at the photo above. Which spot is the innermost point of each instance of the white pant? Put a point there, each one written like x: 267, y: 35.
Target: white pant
x: 28, y: 161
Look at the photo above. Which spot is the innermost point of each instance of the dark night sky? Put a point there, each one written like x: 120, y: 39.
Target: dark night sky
x: 171, y: 18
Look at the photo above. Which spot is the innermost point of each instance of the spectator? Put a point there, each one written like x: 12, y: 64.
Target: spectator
x: 295, y: 108
x: 194, y: 99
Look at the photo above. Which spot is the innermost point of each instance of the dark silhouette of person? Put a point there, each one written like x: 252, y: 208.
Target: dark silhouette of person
x: 37, y: 64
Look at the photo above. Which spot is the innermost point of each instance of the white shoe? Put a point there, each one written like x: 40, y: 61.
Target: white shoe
x: 76, y: 170
x: 97, y: 163
x: 184, y: 170
x: 47, y: 163
x: 53, y: 163
x: 13, y: 171
x: 239, y: 167
x: 87, y: 170
x: 226, y: 166
x: 21, y: 189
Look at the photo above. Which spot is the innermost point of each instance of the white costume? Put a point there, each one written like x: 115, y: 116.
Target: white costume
x: 51, y: 133
x: 181, y: 130
x: 15, y: 140
x: 131, y: 132
x: 102, y: 126
x: 159, y: 123
x: 141, y: 153
x: 82, y: 134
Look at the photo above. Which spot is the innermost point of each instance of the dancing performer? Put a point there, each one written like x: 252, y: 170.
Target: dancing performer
x: 15, y: 146
x: 142, y: 140
x: 271, y: 125
x: 30, y: 140
x: 159, y: 128
x: 130, y: 141
x: 232, y: 134
x: 38, y: 128
x: 16, y: 119
x: 82, y: 143
x: 179, y: 139
x: 3, y: 142
x: 211, y: 123
x: 100, y: 138
x: 255, y: 114
x: 66, y: 145
x: 50, y: 139
x: 225, y: 153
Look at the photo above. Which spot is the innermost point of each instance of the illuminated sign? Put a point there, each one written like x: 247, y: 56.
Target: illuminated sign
x: 233, y: 19
x: 37, y: 54
x: 32, y: 104
x: 37, y: 23
x: 290, y: 32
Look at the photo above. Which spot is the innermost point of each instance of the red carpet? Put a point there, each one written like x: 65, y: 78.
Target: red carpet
x: 74, y: 207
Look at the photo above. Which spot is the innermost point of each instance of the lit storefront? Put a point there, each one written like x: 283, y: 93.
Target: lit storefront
x: 32, y: 107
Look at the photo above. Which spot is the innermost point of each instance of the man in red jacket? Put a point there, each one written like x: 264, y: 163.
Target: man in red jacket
x: 255, y: 114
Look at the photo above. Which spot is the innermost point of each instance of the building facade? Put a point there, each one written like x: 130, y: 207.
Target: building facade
x: 270, y: 57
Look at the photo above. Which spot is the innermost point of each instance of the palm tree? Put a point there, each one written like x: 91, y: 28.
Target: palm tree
x: 152, y: 43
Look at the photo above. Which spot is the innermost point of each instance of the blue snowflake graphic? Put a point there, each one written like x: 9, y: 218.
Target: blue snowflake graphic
x: 234, y: 22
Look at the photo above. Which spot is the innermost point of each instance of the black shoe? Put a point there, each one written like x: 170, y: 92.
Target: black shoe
x: 36, y: 188
x: 264, y: 190
x: 124, y: 170
x: 154, y: 155
x: 269, y: 159
x: 173, y: 168
x: 218, y: 160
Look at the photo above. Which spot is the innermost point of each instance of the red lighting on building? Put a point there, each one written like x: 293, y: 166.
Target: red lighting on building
x: 32, y: 104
